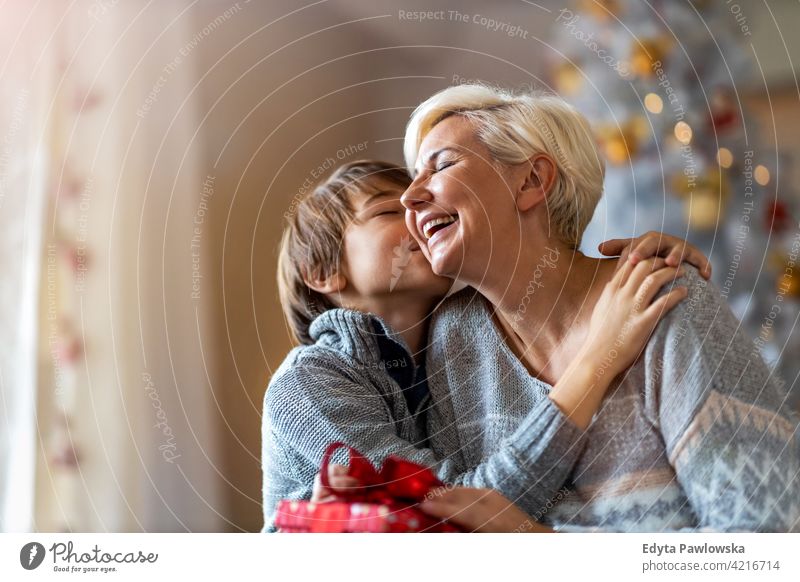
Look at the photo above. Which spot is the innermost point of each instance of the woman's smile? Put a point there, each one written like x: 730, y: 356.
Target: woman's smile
x: 439, y: 232
x: 432, y: 225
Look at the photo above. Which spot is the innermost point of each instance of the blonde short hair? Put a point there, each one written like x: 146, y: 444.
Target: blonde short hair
x: 514, y: 126
x: 312, y: 241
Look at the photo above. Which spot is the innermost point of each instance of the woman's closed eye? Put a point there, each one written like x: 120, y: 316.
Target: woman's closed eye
x: 443, y: 165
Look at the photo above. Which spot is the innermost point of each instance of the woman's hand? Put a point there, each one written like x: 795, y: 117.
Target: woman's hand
x: 479, y: 510
x: 626, y: 314
x: 657, y: 244
x: 338, y: 481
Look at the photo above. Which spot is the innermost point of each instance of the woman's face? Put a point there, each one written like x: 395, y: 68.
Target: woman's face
x: 461, y: 202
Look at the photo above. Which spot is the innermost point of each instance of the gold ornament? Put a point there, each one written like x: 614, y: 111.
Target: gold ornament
x: 702, y: 211
x: 568, y: 78
x: 788, y: 282
x: 640, y: 127
x: 761, y: 175
x: 621, y: 142
x: 653, y: 103
x: 705, y: 197
x: 683, y: 132
x: 645, y: 53
x: 711, y: 182
x: 725, y: 157
x: 602, y: 10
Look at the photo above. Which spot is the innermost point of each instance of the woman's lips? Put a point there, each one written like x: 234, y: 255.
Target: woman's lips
x: 428, y: 224
x: 441, y: 233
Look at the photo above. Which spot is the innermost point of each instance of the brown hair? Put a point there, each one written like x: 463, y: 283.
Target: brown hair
x: 312, y: 241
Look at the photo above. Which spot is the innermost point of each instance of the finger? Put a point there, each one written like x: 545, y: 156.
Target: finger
x: 675, y: 255
x: 439, y: 492
x: 664, y: 304
x: 622, y: 273
x: 438, y: 508
x: 625, y: 254
x: 456, y: 496
x: 343, y: 483
x: 336, y: 470
x: 690, y: 254
x: 623, y: 258
x: 676, y: 251
x: 318, y: 492
x: 614, y: 247
x: 464, y: 515
x: 647, y: 246
x: 642, y: 270
x: 653, y: 283
x: 324, y: 498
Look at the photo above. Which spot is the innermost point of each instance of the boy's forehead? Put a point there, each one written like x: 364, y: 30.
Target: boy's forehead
x: 375, y: 189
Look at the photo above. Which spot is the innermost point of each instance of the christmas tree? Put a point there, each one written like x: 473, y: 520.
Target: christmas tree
x: 661, y: 83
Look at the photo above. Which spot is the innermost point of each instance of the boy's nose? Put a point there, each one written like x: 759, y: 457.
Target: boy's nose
x: 415, y: 196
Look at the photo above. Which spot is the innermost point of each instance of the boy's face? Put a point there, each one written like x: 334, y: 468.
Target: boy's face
x: 380, y: 258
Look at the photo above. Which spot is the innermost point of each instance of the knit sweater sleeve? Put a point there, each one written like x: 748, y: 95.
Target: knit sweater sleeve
x: 729, y: 433
x: 312, y: 405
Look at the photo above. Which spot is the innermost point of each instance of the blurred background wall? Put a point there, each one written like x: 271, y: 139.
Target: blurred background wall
x: 156, y: 146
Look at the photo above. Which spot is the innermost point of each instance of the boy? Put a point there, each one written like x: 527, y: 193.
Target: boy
x: 357, y: 293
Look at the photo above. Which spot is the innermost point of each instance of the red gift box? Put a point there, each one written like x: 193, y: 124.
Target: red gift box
x: 385, y: 504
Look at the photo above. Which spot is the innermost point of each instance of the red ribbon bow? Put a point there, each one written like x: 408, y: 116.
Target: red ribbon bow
x: 398, y: 480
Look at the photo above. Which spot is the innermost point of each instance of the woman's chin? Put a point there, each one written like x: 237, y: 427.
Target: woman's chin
x: 445, y: 251
x: 444, y: 265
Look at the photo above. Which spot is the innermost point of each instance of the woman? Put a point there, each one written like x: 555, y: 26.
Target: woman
x: 696, y: 434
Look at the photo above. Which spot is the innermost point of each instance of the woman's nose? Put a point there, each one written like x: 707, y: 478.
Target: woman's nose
x: 415, y: 196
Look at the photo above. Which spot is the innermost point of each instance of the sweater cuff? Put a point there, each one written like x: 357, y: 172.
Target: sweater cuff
x: 546, y: 446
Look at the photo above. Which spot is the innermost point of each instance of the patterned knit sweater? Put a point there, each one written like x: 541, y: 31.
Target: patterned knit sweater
x: 697, y: 434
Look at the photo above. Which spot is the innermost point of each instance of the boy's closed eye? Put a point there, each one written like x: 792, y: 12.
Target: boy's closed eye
x: 389, y: 208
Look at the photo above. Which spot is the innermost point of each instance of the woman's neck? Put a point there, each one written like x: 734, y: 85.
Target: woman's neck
x: 544, y: 302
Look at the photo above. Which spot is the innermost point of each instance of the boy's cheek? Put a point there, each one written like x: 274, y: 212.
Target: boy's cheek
x: 425, y: 252
x: 411, y: 225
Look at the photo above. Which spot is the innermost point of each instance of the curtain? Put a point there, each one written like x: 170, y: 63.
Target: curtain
x: 108, y: 417
x: 22, y: 200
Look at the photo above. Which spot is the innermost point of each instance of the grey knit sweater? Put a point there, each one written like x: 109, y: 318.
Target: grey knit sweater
x: 348, y: 387
x: 697, y: 434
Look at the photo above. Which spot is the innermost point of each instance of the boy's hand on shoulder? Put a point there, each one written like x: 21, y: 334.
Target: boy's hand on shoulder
x: 672, y: 249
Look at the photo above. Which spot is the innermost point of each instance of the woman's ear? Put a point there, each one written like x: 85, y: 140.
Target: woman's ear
x: 325, y: 285
x: 538, y: 180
